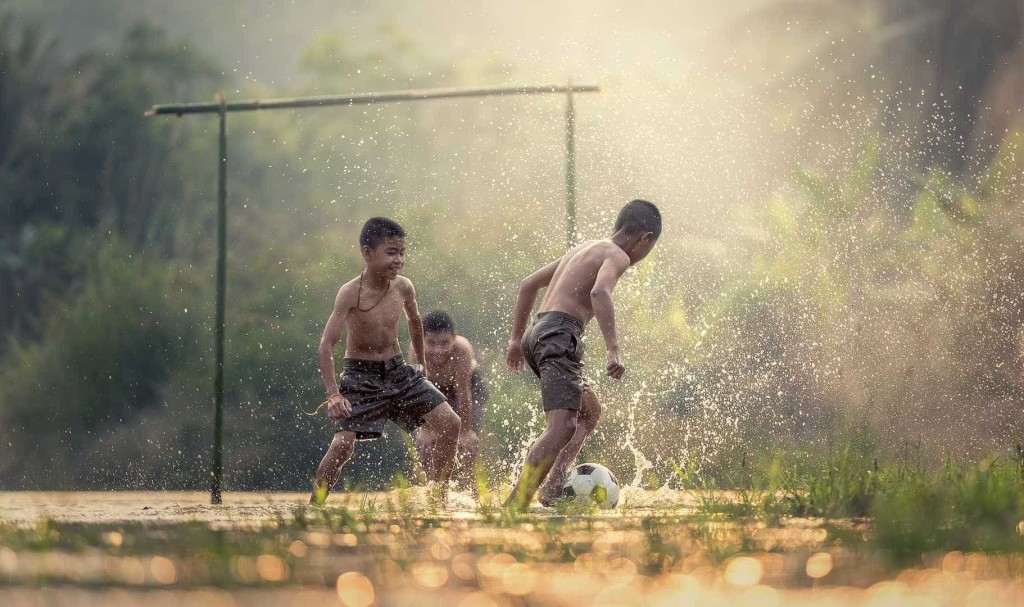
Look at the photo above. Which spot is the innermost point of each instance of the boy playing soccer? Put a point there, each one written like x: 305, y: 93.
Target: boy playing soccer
x: 376, y: 384
x: 579, y: 287
x: 451, y: 364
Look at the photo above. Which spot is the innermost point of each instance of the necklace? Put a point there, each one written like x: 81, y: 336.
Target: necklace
x: 359, y: 295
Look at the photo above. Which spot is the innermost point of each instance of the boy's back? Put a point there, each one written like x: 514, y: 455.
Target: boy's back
x: 575, y: 276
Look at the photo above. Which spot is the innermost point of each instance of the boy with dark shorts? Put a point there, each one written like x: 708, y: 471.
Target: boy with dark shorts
x: 579, y: 287
x: 452, y: 367
x: 376, y: 384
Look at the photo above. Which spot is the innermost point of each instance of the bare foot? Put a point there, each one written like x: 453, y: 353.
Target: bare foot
x: 437, y: 492
x: 551, y: 491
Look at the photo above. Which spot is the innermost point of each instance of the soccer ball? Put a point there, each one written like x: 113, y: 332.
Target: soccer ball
x: 592, y: 482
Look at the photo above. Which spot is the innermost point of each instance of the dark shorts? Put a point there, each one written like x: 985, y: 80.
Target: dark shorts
x: 478, y: 392
x: 554, y: 350
x: 380, y: 390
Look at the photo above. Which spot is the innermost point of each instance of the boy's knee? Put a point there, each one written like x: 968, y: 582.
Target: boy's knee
x: 565, y: 425
x: 425, y: 437
x: 342, y: 448
x: 591, y: 407
x: 341, y: 456
x: 448, y: 423
x: 454, y: 424
x: 571, y: 424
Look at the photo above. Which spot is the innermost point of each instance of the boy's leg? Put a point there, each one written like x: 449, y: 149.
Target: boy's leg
x: 469, y: 449
x: 561, y: 427
x: 342, y: 446
x: 590, y: 413
x: 426, y: 442
x: 469, y: 442
x: 445, y: 424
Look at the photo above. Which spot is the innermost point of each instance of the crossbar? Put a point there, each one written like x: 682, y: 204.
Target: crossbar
x: 250, y: 105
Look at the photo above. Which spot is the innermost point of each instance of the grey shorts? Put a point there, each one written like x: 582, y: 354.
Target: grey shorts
x: 554, y: 350
x: 380, y: 390
x: 478, y: 392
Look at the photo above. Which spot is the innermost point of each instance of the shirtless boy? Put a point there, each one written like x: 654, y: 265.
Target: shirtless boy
x: 452, y: 367
x: 376, y: 384
x: 579, y: 287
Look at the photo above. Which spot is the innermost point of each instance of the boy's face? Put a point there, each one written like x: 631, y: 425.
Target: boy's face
x: 643, y: 248
x: 387, y: 258
x: 439, y: 346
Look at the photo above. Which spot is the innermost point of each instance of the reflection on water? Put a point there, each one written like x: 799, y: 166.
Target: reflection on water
x: 387, y: 548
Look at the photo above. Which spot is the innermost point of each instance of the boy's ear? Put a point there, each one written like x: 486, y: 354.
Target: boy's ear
x: 366, y: 251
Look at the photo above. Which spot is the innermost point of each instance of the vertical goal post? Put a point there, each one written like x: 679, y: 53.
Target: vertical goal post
x: 222, y: 108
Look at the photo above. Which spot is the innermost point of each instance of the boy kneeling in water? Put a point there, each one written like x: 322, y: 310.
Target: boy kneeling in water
x: 453, y: 369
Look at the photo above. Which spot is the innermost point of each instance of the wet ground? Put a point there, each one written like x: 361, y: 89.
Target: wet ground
x: 401, y: 548
x: 145, y: 506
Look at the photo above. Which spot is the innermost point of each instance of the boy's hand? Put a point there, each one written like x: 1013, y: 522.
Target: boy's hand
x: 338, y: 407
x: 615, y: 369
x: 514, y: 359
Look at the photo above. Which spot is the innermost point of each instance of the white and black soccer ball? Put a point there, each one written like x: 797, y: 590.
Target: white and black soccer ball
x: 592, y: 483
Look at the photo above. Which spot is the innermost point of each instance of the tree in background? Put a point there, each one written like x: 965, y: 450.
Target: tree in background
x: 92, y: 201
x: 937, y: 76
x: 78, y: 163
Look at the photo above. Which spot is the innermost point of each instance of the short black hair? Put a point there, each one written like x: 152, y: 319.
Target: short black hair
x: 639, y: 216
x: 438, y: 321
x: 378, y: 229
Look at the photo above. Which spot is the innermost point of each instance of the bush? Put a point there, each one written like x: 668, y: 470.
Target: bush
x: 103, y: 359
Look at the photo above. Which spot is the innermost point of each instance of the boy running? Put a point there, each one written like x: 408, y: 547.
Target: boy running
x: 452, y: 367
x: 376, y: 384
x: 579, y: 287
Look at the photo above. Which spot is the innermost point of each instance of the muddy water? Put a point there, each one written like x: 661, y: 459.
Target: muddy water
x: 397, y: 548
x: 144, y: 506
x: 254, y: 508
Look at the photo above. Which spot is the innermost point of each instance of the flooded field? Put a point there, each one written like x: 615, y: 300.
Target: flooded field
x: 400, y: 548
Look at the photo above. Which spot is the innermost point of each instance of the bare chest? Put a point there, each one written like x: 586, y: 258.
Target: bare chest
x: 376, y: 317
x: 444, y: 372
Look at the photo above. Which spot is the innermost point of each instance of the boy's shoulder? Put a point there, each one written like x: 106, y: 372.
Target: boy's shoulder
x: 403, y: 284
x: 464, y: 353
x: 463, y: 345
x: 350, y: 287
x: 607, y: 249
x: 347, y: 295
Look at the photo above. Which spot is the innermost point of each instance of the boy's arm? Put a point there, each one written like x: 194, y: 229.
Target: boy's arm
x: 412, y: 314
x: 338, y: 406
x: 604, y: 309
x: 463, y: 385
x: 524, y: 302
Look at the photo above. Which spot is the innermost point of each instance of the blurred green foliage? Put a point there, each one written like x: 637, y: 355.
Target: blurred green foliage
x: 106, y: 250
x: 822, y: 310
